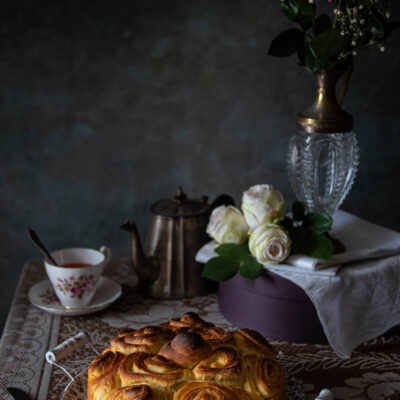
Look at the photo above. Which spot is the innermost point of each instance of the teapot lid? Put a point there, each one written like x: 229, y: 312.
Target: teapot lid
x: 180, y: 206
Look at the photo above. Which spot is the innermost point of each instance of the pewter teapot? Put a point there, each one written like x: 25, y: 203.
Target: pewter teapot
x: 177, y: 231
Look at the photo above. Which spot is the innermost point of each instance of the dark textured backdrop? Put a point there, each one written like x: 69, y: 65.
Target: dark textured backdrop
x: 107, y: 106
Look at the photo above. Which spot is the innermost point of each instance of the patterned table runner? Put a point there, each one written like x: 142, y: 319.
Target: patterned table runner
x: 373, y: 372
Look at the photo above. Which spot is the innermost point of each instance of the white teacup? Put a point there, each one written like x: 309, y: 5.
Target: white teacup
x: 76, y: 285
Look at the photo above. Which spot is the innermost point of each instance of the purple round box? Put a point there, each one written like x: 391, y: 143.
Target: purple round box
x: 272, y: 305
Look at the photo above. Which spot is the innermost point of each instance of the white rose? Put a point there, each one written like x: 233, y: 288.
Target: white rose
x: 261, y: 204
x: 270, y: 244
x: 227, y: 225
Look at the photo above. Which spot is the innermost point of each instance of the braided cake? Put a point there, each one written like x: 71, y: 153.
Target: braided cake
x: 186, y: 359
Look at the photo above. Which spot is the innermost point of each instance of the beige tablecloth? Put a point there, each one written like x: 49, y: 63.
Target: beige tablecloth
x: 373, y: 372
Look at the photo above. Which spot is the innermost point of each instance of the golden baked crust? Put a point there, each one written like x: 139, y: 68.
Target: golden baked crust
x: 103, y: 375
x: 137, y: 392
x: 210, y: 391
x: 251, y: 342
x: 155, y: 370
x: 148, y: 339
x: 223, y: 365
x: 186, y: 349
x: 187, y: 359
x: 215, y: 337
x: 188, y: 320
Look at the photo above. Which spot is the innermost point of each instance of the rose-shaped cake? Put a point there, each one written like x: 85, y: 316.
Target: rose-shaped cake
x: 187, y: 359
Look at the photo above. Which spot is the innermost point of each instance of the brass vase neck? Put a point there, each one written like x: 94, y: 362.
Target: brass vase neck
x: 326, y: 115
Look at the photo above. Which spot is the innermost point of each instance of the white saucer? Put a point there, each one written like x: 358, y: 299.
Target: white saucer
x: 42, y: 296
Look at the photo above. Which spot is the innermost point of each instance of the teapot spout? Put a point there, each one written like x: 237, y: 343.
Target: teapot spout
x: 147, y: 269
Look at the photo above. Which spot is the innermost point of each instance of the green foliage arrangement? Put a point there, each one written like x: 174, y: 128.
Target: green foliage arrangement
x: 308, y: 232
x: 328, y: 40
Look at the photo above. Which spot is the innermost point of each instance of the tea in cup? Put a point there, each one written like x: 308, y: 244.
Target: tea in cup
x: 75, y: 278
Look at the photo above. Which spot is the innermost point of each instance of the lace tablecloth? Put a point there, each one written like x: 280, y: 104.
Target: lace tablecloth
x: 373, y: 372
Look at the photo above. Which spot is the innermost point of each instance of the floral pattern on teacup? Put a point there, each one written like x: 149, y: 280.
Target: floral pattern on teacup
x: 49, y: 297
x: 78, y: 286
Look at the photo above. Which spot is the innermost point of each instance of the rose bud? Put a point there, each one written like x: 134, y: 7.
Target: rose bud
x: 262, y: 204
x: 227, y: 225
x: 269, y: 244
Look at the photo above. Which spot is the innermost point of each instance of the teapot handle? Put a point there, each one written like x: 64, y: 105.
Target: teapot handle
x: 222, y: 200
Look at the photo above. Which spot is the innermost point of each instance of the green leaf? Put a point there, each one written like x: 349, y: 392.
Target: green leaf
x: 311, y: 63
x: 289, y: 9
x: 317, y: 223
x: 298, y: 236
x: 307, y: 59
x: 327, y: 46
x: 250, y: 269
x: 321, y: 24
x: 298, y: 210
x: 220, y: 269
x: 301, y: 11
x: 318, y: 246
x: 286, y: 43
x: 233, y: 251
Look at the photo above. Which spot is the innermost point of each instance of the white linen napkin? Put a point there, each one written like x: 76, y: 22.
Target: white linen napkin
x: 358, y: 304
x: 363, y: 240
